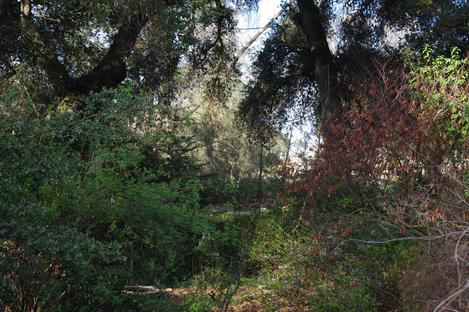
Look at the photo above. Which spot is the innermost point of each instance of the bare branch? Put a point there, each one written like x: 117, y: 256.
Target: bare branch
x: 407, y: 238
x: 255, y: 37
x: 451, y: 297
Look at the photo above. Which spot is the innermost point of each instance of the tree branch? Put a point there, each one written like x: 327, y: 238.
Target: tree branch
x: 255, y: 37
x: 109, y: 72
x: 451, y: 297
x: 112, y: 69
x: 408, y: 238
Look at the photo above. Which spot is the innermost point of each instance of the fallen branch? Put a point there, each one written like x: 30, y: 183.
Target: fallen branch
x: 458, y: 264
x: 141, y: 290
x: 407, y: 238
x: 451, y: 298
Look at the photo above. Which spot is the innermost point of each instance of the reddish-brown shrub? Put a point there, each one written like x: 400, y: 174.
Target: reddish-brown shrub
x: 384, y: 137
x: 391, y: 150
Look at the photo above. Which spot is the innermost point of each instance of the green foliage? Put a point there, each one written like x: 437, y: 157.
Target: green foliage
x: 56, y: 268
x: 442, y: 83
x: 109, y: 179
x: 222, y: 145
x: 221, y: 249
x: 216, y: 288
x: 345, y: 292
x: 273, y: 245
x: 157, y: 224
x: 309, y: 263
x: 199, y: 303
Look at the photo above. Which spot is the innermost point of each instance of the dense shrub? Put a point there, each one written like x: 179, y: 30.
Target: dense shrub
x: 56, y: 268
x: 77, y: 185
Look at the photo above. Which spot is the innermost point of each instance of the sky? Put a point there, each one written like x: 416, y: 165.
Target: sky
x: 302, y: 138
x: 248, y: 25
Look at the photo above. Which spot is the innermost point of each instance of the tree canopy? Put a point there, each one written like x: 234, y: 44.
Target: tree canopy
x: 77, y: 47
x: 317, y: 47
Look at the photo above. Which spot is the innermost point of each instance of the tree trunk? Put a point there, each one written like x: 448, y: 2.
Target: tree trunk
x: 261, y: 170
x: 287, y: 156
x: 325, y: 76
x: 325, y: 73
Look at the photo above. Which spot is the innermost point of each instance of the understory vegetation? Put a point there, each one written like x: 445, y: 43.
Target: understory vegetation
x: 162, y: 179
